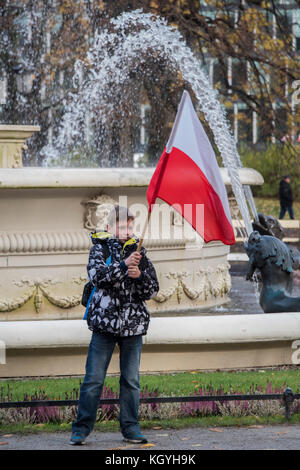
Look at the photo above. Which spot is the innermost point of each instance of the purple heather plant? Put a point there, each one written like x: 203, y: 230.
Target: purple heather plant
x: 56, y: 414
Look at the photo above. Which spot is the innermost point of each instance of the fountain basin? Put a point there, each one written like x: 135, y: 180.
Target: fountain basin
x: 218, y: 329
x: 177, y: 344
x: 46, y: 216
x: 98, y: 177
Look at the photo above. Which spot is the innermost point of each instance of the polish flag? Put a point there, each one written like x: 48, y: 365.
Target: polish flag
x: 188, y: 178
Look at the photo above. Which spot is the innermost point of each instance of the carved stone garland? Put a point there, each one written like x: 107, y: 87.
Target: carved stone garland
x: 212, y: 283
x: 39, y: 289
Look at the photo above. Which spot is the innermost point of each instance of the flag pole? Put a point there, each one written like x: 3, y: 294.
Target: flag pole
x: 153, y: 200
x: 143, y: 233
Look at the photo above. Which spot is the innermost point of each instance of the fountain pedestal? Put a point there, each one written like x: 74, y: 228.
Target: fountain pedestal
x: 12, y: 142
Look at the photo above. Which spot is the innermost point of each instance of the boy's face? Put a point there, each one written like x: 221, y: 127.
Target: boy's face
x: 123, y: 230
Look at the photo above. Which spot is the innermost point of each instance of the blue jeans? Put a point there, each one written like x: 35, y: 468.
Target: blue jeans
x: 99, y: 355
x: 283, y: 210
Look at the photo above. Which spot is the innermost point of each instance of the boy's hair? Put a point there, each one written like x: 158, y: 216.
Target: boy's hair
x: 119, y: 213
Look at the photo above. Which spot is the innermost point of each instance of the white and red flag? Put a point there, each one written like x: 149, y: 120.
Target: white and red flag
x: 187, y: 176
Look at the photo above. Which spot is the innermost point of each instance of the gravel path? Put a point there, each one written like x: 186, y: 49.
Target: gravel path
x: 269, y: 437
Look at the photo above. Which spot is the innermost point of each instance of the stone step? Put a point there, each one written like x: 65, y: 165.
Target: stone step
x: 285, y: 223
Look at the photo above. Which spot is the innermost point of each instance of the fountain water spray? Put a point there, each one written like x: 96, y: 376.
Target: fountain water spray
x: 112, y: 59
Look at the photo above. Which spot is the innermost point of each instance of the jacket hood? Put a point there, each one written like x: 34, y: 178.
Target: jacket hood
x: 98, y: 237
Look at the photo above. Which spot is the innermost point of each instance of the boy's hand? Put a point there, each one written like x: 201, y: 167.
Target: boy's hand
x: 133, y: 271
x: 133, y: 259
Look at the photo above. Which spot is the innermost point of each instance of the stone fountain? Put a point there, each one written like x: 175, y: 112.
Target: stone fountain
x: 46, y: 216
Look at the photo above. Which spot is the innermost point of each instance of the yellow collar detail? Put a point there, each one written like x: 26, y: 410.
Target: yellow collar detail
x: 102, y: 235
x: 131, y: 241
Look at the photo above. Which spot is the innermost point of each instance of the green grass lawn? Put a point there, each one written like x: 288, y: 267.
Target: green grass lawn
x: 186, y: 383
x: 167, y: 384
x: 272, y: 207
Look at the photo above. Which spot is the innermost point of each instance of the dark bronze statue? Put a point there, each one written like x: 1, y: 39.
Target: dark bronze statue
x: 275, y: 262
x: 296, y: 257
x: 269, y: 225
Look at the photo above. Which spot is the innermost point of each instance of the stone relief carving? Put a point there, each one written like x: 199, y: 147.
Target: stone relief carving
x: 8, y: 305
x: 234, y: 208
x: 79, y: 279
x: 179, y: 288
x: 215, y: 282
x: 96, y: 211
x: 17, y: 156
x: 62, y: 302
x: 39, y: 289
x: 176, y: 218
x: 25, y: 281
x: 212, y: 283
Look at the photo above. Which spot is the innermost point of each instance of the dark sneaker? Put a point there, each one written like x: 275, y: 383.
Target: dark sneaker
x: 77, y: 438
x: 136, y: 437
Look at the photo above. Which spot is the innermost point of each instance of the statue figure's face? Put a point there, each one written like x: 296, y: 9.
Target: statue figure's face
x: 254, y: 237
x: 102, y: 211
x: 252, y: 241
x: 101, y: 215
x: 275, y: 226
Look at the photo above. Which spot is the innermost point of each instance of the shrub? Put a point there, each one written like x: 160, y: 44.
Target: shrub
x: 151, y: 411
x: 273, y: 162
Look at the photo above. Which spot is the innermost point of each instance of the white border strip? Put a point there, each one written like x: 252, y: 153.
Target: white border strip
x: 216, y: 329
x: 96, y: 177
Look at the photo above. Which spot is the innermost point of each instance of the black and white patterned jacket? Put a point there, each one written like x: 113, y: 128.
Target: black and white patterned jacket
x: 118, y: 303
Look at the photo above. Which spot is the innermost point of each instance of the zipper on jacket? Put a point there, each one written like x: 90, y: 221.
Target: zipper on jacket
x: 119, y: 313
x: 121, y: 259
